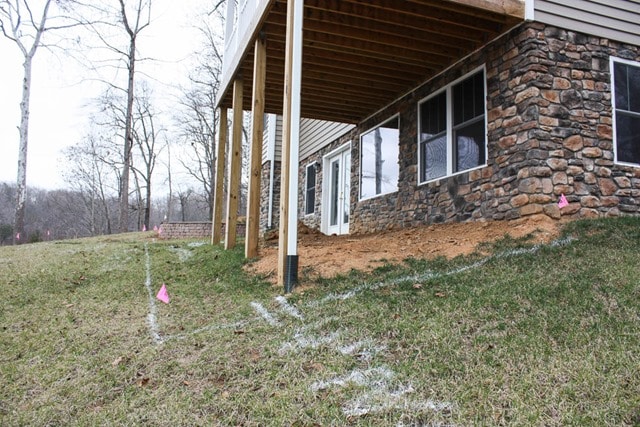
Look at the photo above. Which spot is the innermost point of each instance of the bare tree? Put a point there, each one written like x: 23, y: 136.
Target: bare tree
x: 197, y: 118
x: 26, y: 28
x: 118, y: 28
x: 93, y: 173
x: 145, y: 135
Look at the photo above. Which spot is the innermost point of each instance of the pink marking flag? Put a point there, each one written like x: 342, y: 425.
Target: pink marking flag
x: 155, y: 228
x: 563, y: 202
x: 163, y: 295
x: 17, y: 236
x: 144, y: 227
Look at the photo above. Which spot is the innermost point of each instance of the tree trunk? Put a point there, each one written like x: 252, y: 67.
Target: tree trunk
x: 147, y: 208
x: 128, y: 143
x: 21, y: 183
x: 168, y: 217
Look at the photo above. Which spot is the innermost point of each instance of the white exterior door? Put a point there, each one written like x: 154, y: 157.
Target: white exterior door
x: 337, y: 191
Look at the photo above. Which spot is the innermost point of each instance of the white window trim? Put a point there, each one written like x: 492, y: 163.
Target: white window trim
x: 306, y: 182
x: 612, y: 61
x: 360, y: 198
x: 449, y: 129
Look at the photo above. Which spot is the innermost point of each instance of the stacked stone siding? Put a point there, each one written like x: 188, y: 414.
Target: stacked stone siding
x: 549, y: 125
x: 550, y: 132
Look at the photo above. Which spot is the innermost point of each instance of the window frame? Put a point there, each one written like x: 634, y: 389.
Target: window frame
x: 614, y: 109
x: 313, y: 166
x: 450, y: 127
x: 362, y: 135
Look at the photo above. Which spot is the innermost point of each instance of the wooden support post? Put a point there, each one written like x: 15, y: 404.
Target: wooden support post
x: 216, y: 221
x: 234, y: 167
x: 257, y: 131
x: 288, y: 236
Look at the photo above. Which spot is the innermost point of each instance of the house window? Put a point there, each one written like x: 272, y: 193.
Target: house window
x: 452, y: 129
x: 379, y: 167
x: 310, y: 190
x: 626, y: 82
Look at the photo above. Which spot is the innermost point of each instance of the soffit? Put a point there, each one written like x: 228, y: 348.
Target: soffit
x: 360, y: 55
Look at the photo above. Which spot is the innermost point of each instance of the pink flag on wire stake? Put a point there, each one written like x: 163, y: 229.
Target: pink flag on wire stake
x: 17, y: 236
x: 163, y: 295
x: 144, y: 227
x: 563, y: 202
x: 155, y: 228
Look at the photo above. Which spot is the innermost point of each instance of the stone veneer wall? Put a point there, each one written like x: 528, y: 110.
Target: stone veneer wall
x: 549, y: 125
x: 549, y: 130
x: 191, y: 230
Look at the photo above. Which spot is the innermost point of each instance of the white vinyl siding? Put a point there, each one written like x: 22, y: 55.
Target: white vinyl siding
x: 316, y: 134
x: 614, y: 19
x: 267, y: 141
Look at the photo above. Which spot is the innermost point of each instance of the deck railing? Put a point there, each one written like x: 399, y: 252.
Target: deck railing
x: 242, y: 18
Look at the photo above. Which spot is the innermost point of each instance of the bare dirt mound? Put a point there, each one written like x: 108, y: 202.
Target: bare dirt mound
x: 326, y: 256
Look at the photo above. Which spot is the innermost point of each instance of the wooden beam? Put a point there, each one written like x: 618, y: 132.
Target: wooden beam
x: 287, y: 242
x: 257, y: 130
x: 513, y: 8
x: 234, y: 167
x: 216, y: 221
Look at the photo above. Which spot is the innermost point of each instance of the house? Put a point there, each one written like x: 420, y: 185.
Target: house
x: 399, y: 113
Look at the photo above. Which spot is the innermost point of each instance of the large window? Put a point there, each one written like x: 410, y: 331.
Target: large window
x: 452, y: 129
x: 310, y: 190
x: 626, y: 82
x: 379, y: 160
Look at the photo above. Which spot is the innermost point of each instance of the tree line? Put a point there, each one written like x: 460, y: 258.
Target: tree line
x: 73, y: 213
x: 132, y: 144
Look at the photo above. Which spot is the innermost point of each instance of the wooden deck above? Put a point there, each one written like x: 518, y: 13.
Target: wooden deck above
x: 360, y: 55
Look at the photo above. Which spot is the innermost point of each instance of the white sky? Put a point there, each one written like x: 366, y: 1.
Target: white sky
x: 59, y: 116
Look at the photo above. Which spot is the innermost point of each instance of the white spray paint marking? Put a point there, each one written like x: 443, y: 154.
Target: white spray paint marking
x: 196, y: 244
x: 433, y: 275
x: 382, y: 400
x: 368, y: 378
x: 365, y: 349
x: 183, y: 254
x: 288, y: 308
x: 382, y: 394
x: 303, y: 341
x: 235, y: 325
x: 151, y: 317
x: 268, y: 317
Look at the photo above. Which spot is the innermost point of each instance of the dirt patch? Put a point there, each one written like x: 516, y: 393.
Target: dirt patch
x: 326, y: 256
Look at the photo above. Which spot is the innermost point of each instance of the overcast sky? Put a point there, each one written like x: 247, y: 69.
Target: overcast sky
x: 59, y: 97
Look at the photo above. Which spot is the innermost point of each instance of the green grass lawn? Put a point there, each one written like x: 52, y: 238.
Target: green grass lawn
x: 527, y: 335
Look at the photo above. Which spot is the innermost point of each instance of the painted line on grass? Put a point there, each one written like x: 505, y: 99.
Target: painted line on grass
x: 288, y: 308
x: 184, y: 335
x: 383, y: 393
x: 264, y: 313
x: 152, y: 318
x: 435, y: 275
